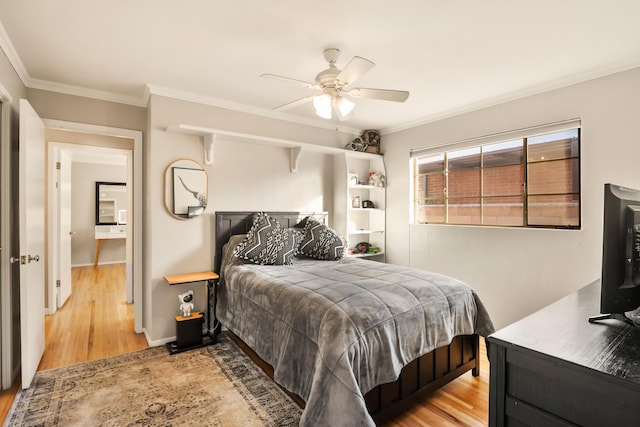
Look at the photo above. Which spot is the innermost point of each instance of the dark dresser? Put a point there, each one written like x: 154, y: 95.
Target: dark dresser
x: 554, y: 368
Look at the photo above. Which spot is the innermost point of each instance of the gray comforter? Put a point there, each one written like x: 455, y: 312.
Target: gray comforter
x: 333, y: 330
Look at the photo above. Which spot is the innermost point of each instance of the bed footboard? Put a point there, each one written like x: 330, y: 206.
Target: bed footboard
x: 428, y: 373
x: 421, y: 376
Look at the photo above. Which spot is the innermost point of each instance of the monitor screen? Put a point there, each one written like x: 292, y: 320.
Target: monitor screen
x: 620, y: 280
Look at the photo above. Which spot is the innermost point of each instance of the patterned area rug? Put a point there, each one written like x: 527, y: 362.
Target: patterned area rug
x: 216, y: 385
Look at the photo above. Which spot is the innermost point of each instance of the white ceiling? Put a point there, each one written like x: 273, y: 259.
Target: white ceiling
x: 452, y: 56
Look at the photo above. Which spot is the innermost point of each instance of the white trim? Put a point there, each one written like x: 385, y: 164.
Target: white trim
x: 157, y: 343
x: 519, y: 94
x: 100, y: 263
x: 12, y: 55
x: 134, y: 175
x: 136, y: 101
x: 498, y: 137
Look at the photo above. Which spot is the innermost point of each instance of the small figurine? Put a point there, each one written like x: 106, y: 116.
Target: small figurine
x: 185, y: 303
x: 376, y: 179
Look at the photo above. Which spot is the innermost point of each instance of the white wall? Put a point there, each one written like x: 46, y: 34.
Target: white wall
x: 517, y: 271
x: 244, y: 177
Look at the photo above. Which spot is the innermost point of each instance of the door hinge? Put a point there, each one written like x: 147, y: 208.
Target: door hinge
x: 58, y: 165
x: 58, y: 283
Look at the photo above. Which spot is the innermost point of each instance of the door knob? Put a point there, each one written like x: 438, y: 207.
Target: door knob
x: 33, y: 258
x: 20, y: 259
x: 71, y: 233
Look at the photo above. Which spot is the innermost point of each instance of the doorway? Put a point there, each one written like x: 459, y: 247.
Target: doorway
x: 95, y: 288
x: 94, y: 137
x: 74, y: 235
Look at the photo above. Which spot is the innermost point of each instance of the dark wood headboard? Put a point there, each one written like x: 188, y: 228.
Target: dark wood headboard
x: 231, y: 223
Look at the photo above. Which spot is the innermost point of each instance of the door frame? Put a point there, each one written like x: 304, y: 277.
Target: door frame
x: 53, y: 237
x: 134, y: 176
x: 8, y: 369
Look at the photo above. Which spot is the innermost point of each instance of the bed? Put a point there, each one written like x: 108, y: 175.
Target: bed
x: 350, y: 337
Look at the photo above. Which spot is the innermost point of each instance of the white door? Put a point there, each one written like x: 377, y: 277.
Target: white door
x: 31, y: 208
x: 64, y: 218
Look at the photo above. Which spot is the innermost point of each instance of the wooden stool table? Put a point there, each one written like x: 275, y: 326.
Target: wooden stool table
x: 210, y: 337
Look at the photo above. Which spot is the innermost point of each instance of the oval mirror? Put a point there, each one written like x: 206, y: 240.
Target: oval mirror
x: 186, y: 188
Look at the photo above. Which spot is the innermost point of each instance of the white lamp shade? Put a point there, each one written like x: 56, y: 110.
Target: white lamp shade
x: 322, y: 104
x: 344, y: 106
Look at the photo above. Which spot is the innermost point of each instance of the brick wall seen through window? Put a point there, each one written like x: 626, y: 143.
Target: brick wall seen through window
x: 528, y: 182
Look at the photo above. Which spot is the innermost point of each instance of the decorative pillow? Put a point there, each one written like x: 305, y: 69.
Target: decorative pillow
x: 303, y: 222
x: 268, y: 242
x: 321, y: 242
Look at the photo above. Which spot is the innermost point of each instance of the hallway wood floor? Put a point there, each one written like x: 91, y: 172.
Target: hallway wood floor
x: 96, y: 323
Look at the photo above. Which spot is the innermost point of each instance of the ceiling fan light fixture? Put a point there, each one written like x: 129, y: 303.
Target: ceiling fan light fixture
x: 344, y: 106
x: 333, y: 82
x: 322, y: 104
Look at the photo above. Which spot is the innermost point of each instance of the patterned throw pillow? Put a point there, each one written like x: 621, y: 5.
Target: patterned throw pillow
x: 268, y: 242
x: 321, y: 242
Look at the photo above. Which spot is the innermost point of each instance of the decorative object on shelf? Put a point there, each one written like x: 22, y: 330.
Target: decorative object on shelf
x: 371, y: 138
x: 185, y: 303
x: 376, y: 179
x: 363, y: 247
x: 368, y: 204
x: 353, y: 179
x: 186, y: 188
x: 356, y: 145
x: 355, y: 202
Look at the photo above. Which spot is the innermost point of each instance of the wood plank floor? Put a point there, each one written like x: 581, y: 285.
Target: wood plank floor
x: 96, y: 322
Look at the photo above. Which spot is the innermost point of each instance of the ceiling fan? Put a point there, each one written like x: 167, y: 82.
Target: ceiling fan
x: 333, y: 83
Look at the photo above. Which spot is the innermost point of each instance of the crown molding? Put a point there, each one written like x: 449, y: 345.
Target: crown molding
x: 12, y: 55
x: 86, y: 93
x: 513, y: 96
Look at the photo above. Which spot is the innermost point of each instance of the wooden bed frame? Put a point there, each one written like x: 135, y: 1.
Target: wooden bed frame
x: 423, y: 375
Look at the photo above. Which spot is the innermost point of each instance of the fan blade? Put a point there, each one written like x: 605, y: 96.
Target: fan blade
x: 384, y: 94
x: 290, y: 80
x: 294, y: 103
x: 354, y: 70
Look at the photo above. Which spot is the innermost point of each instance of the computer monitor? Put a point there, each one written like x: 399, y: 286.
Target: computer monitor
x: 620, y: 280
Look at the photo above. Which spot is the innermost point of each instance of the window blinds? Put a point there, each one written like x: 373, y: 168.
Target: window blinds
x: 498, y: 137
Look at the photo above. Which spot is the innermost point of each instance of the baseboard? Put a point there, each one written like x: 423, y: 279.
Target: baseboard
x: 163, y: 341
x: 99, y: 264
x: 156, y: 343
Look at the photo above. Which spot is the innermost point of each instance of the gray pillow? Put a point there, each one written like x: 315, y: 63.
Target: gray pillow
x: 268, y: 242
x: 321, y: 242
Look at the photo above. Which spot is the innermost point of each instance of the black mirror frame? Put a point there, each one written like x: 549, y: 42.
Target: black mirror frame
x: 98, y: 184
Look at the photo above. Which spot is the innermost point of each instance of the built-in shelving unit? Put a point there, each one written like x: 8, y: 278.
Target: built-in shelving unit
x: 352, y: 188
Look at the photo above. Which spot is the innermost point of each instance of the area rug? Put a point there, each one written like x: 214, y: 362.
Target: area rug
x: 217, y: 385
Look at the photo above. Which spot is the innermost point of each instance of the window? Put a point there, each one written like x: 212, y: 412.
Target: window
x: 530, y: 181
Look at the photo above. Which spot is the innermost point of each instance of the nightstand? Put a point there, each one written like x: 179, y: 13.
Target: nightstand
x: 186, y: 337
